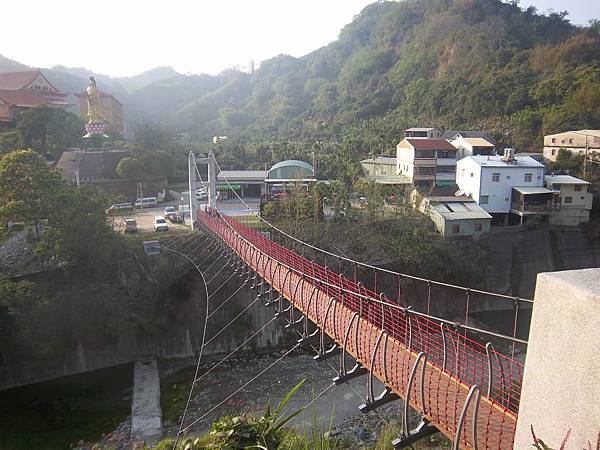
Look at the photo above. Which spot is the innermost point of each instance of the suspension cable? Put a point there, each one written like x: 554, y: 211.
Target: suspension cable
x: 187, y: 404
x: 225, y: 301
x: 245, y: 385
x: 221, y: 285
x: 353, y: 261
x: 231, y: 321
x: 225, y: 358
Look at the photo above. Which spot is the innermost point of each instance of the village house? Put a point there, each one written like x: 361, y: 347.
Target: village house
x: 426, y: 161
x: 575, y: 200
x: 577, y: 142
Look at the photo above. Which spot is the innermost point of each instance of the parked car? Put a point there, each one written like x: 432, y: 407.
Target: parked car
x: 170, y: 211
x: 130, y: 225
x: 146, y: 202
x: 175, y: 218
x: 160, y: 224
x: 119, y: 207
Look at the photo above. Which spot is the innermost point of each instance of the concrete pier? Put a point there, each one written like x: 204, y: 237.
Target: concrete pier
x: 562, y: 370
x: 146, y: 414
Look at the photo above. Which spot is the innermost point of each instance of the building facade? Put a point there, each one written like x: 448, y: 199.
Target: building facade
x: 110, y: 108
x: 577, y: 142
x: 456, y: 216
x: 575, y: 200
x: 20, y: 91
x: 382, y: 170
x: 489, y: 180
x: 426, y: 162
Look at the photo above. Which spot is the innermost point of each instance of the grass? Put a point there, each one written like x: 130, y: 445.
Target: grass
x: 54, y: 414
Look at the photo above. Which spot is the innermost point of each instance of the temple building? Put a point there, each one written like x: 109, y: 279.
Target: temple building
x: 110, y: 108
x: 20, y: 91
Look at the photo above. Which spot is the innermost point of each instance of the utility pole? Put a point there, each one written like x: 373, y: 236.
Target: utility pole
x: 212, y: 181
x: 193, y: 187
x: 585, y: 158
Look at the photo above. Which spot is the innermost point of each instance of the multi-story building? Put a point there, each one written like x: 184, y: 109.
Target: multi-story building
x: 20, y: 91
x: 382, y: 170
x: 577, y: 142
x: 502, y: 185
x: 575, y: 200
x: 426, y: 162
x: 453, y: 134
x: 468, y: 146
x: 110, y: 108
x: 426, y: 133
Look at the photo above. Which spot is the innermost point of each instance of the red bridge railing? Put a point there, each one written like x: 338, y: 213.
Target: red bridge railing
x: 454, y: 370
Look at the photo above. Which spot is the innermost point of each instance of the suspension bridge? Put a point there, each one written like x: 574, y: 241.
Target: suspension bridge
x: 462, y: 379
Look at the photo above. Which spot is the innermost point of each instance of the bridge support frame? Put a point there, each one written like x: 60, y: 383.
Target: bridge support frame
x: 422, y: 430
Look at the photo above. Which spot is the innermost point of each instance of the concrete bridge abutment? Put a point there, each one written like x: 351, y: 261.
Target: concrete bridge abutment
x: 561, y: 383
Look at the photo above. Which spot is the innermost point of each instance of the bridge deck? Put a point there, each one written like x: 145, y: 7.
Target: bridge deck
x: 441, y: 385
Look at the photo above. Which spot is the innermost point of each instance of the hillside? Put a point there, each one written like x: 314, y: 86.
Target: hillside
x: 451, y: 63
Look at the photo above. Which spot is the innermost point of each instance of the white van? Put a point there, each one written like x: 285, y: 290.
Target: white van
x: 146, y: 202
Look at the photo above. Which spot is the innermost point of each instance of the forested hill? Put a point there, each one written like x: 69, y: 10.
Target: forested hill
x: 449, y: 63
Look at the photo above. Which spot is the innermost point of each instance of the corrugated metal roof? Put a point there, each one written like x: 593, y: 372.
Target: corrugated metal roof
x: 419, y: 129
x: 460, y: 211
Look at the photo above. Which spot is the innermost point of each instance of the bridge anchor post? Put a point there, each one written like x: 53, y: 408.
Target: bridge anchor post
x: 423, y: 430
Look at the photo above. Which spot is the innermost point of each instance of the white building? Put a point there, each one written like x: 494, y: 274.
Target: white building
x: 490, y: 180
x: 577, y: 142
x: 472, y: 146
x: 575, y: 200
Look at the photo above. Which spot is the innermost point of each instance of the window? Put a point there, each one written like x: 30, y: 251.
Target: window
x: 472, y: 174
x: 506, y: 199
x: 554, y: 142
x: 508, y: 177
x: 484, y: 199
x: 456, y: 228
x: 578, y: 187
x: 496, y: 178
x: 568, y: 199
x: 443, y: 154
x: 562, y: 141
x: 478, y: 227
x: 570, y: 141
x: 553, y: 151
x: 528, y: 177
x: 462, y: 173
x: 582, y: 198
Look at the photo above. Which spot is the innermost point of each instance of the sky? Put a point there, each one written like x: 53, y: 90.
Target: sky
x: 126, y: 37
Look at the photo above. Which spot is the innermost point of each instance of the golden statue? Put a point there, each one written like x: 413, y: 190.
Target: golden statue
x: 93, y: 102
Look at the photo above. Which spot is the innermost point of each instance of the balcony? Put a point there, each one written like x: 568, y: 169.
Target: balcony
x: 532, y: 200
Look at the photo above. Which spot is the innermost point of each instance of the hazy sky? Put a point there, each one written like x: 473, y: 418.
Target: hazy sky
x: 125, y: 37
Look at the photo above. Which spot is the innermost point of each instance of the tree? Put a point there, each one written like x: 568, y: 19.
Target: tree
x: 26, y: 186
x: 130, y: 168
x: 49, y: 130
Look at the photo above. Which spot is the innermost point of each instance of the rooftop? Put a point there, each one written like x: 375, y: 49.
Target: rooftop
x: 17, y: 80
x: 478, y: 142
x: 460, y: 210
x: 497, y: 161
x: 431, y: 144
x: 242, y: 175
x: 532, y: 190
x: 564, y: 179
x: 451, y: 134
x: 89, y: 164
x: 419, y: 129
x: 380, y: 160
x: 292, y: 163
x: 23, y: 97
